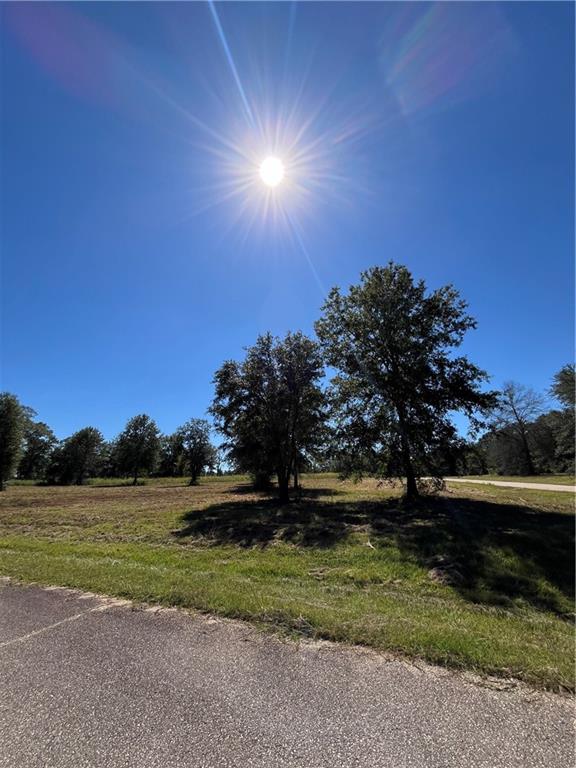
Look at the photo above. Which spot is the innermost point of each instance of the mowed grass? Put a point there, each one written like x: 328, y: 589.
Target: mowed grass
x: 477, y: 578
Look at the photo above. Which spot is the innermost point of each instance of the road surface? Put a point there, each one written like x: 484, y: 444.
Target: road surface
x: 514, y: 484
x: 87, y: 681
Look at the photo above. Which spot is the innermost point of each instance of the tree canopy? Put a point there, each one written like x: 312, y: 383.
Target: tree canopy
x: 197, y: 450
x: 517, y: 407
x: 271, y: 408
x: 77, y: 458
x: 525, y: 435
x: 564, y: 386
x: 392, y: 343
x: 171, y: 461
x: 137, y: 446
x: 39, y: 442
x: 13, y: 420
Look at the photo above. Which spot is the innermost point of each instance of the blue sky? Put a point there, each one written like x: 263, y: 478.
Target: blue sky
x: 137, y: 249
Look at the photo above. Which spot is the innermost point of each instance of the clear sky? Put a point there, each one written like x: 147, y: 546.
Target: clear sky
x: 140, y: 248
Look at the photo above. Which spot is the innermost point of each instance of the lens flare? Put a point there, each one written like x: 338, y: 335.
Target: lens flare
x: 272, y: 171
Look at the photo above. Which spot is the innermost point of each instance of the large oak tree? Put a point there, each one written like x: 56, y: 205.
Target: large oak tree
x: 392, y: 342
x: 271, y: 409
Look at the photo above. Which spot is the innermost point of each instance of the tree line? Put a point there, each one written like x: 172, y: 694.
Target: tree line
x: 524, y: 436
x: 392, y: 345
x: 31, y: 451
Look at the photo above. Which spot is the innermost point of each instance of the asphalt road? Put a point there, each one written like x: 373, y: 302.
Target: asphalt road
x: 514, y: 484
x: 89, y: 682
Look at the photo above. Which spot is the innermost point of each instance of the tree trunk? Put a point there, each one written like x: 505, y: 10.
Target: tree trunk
x: 411, y: 486
x: 530, y: 469
x: 283, y: 486
x: 2, y: 484
x: 193, y: 480
x: 296, y: 486
x: 135, y: 481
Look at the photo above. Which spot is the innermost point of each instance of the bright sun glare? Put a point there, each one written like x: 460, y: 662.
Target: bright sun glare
x: 272, y: 171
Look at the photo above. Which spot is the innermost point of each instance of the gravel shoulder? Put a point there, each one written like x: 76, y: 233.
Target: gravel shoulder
x: 511, y: 484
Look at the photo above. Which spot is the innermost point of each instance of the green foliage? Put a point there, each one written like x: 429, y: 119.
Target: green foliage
x: 197, y: 450
x: 137, y: 446
x: 564, y: 390
x: 564, y: 386
x: 13, y: 420
x: 552, y: 439
x: 77, y: 458
x: 271, y: 409
x: 108, y: 461
x: 171, y: 462
x: 39, y: 442
x: 517, y: 407
x: 522, y: 439
x: 565, y: 436
x: 392, y: 343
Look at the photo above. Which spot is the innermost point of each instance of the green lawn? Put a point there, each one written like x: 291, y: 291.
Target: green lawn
x: 479, y: 578
x: 554, y: 479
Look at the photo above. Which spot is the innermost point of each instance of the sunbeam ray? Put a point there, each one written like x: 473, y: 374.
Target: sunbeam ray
x: 230, y: 60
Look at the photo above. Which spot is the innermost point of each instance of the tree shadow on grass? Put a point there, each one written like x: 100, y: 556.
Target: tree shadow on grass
x: 258, y: 522
x: 246, y: 489
x: 494, y: 554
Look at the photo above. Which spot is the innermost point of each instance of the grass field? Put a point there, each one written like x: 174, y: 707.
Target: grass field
x: 478, y: 578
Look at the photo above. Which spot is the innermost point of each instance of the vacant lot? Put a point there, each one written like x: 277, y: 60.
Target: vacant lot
x: 479, y: 577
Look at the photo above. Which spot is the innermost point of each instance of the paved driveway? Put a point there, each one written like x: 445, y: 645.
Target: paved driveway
x: 90, y: 682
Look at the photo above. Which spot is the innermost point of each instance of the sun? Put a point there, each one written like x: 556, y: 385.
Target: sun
x: 272, y: 171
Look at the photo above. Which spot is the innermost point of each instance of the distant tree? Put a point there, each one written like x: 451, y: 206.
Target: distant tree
x: 398, y: 382
x: 108, y: 465
x: 517, y: 407
x: 77, y: 458
x: 564, y: 390
x: 565, y: 435
x: 271, y: 409
x: 39, y: 442
x: 137, y: 446
x: 453, y: 458
x: 523, y: 438
x: 502, y: 452
x: 219, y: 458
x: 474, y: 460
x: 564, y: 386
x: 13, y: 420
x: 198, y: 452
x: 543, y: 436
x: 171, y: 457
